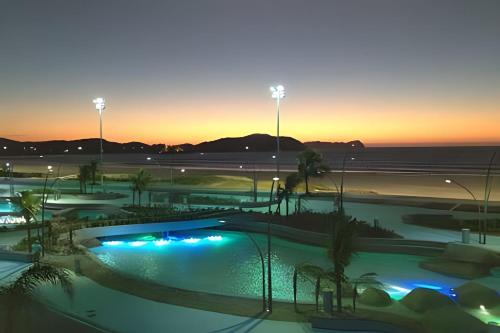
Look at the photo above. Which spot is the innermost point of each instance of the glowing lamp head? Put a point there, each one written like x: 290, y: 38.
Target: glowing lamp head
x: 448, y: 181
x: 100, y: 104
x: 278, y: 92
x: 276, y: 179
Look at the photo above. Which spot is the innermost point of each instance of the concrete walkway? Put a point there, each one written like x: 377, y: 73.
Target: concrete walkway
x: 121, y: 312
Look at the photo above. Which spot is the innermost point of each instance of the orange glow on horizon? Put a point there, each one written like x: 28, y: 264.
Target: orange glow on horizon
x: 374, y: 122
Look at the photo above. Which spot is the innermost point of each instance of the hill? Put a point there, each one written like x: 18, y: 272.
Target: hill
x: 252, y: 143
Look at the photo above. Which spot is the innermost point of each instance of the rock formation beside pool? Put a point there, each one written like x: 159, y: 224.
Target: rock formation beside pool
x: 375, y: 297
x: 473, y: 295
x: 451, y: 319
x: 466, y: 261
x: 423, y: 299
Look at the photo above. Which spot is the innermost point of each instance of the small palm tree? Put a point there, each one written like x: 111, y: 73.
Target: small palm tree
x: 140, y: 182
x: 311, y: 164
x: 83, y: 177
x: 30, y: 205
x: 341, y: 250
x: 20, y: 290
x: 291, y: 182
x: 313, y: 274
x: 93, y: 171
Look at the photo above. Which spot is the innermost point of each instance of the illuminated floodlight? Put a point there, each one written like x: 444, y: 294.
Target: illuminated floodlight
x: 222, y: 221
x: 112, y: 243
x: 448, y: 181
x: 274, y: 156
x: 278, y: 92
x: 137, y: 243
x: 80, y: 148
x: 246, y: 147
x: 241, y: 166
x: 183, y: 170
x: 4, y: 147
x: 100, y: 104
x: 148, y: 158
x: 7, y: 164
x: 49, y: 167
x: 191, y: 240
x: 162, y: 242
x: 214, y: 238
x: 276, y: 179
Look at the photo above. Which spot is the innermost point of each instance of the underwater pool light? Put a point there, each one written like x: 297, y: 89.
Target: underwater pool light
x: 483, y: 310
x: 214, y: 238
x: 137, y: 243
x: 112, y: 243
x: 191, y: 240
x: 428, y: 286
x: 162, y: 242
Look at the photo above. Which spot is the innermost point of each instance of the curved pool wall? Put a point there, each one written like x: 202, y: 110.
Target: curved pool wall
x: 230, y: 265
x: 118, y: 230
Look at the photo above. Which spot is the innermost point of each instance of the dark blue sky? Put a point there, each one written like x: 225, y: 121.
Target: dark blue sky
x: 173, y: 71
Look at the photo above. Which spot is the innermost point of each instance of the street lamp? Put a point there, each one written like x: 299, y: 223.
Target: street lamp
x: 278, y: 93
x: 452, y: 181
x: 100, y: 105
x: 44, y: 202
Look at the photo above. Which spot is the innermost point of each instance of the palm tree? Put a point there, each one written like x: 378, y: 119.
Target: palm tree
x: 93, y: 171
x: 83, y: 177
x: 341, y: 250
x: 291, y: 182
x: 313, y: 274
x: 311, y: 164
x: 29, y: 204
x: 140, y: 182
x: 366, y: 280
x: 21, y: 289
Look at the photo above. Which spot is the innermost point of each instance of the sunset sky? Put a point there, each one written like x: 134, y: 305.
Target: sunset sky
x: 387, y: 72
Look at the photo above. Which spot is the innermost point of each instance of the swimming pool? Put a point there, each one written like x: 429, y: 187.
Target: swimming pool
x: 227, y: 263
x: 7, y: 207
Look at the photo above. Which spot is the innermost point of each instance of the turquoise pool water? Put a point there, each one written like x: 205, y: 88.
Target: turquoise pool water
x: 227, y: 263
x: 7, y: 207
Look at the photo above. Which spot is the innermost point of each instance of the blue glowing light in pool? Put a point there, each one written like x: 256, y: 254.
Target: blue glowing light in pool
x: 428, y: 286
x: 113, y: 243
x: 214, y: 238
x: 191, y: 240
x: 137, y: 243
x: 162, y: 242
x: 398, y: 291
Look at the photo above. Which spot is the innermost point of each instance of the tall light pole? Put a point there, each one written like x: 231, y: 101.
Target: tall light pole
x: 100, y: 105
x: 44, y: 202
x: 452, y: 181
x: 278, y: 93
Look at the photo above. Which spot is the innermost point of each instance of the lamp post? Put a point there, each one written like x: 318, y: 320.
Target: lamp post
x: 100, y: 105
x: 452, y: 181
x: 278, y: 93
x: 10, y: 169
x: 44, y: 202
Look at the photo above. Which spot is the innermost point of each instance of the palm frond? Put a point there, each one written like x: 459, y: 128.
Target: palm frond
x: 37, y: 275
